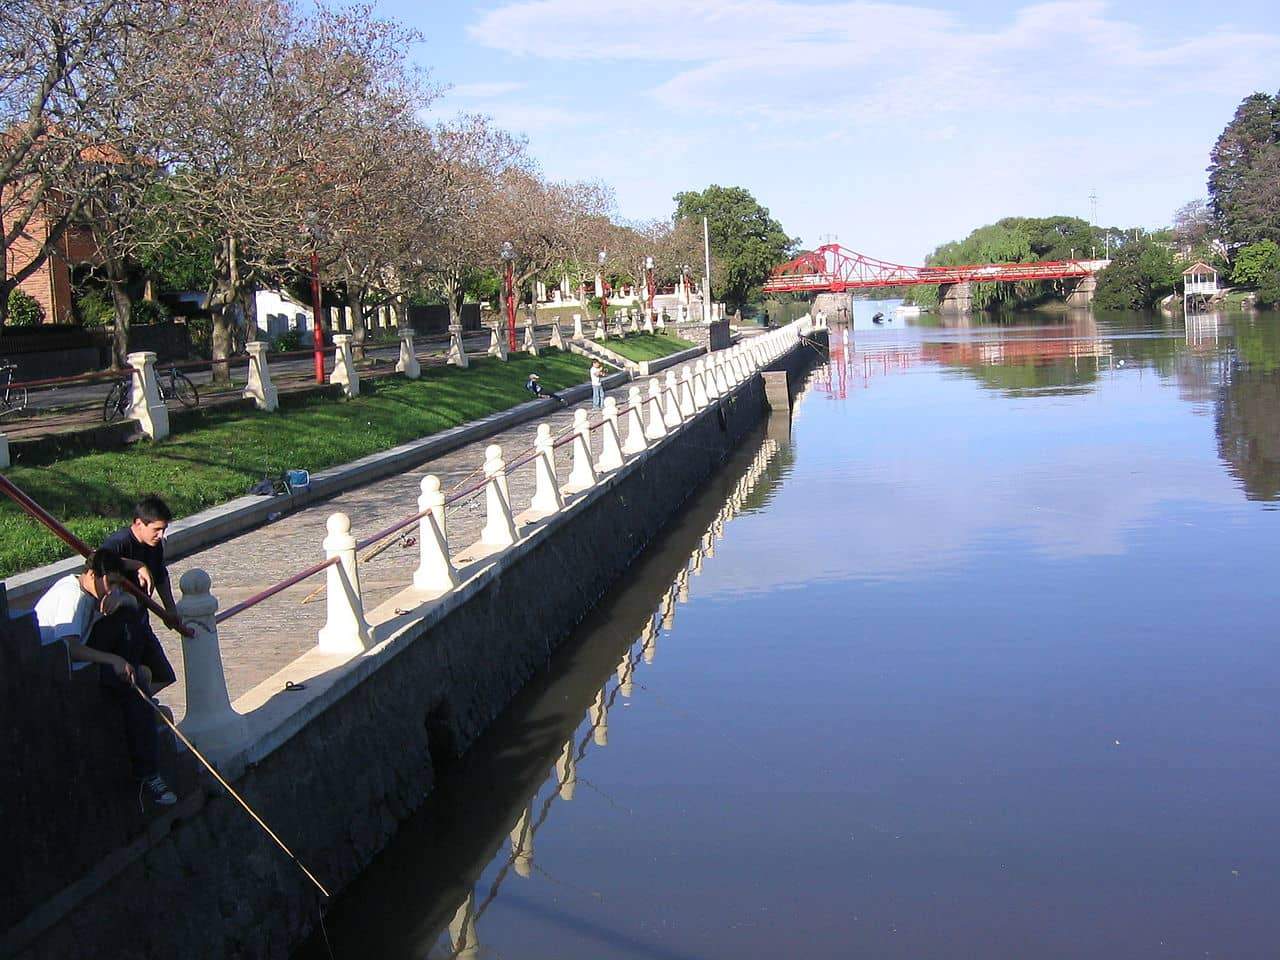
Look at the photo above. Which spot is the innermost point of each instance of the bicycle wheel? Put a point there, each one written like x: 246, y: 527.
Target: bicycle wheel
x: 117, y: 401
x: 185, y: 391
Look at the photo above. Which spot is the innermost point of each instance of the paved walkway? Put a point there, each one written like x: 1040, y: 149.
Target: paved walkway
x: 266, y: 638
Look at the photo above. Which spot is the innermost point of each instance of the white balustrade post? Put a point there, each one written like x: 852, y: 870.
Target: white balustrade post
x: 635, y: 441
x: 672, y: 415
x: 600, y: 334
x: 344, y: 367
x: 530, y: 345
x: 648, y: 321
x: 611, y: 438
x: 634, y: 325
x: 260, y: 389
x: 567, y: 768
x: 719, y: 382
x: 408, y: 363
x: 661, y: 322
x: 618, y: 330
x: 599, y: 717
x: 522, y: 843
x: 435, y: 573
x: 656, y: 428
x: 500, y: 526
x: 145, y: 404
x: 649, y: 635
x: 462, y: 930
x: 546, y: 492
x: 583, y: 474
x: 457, y: 350
x: 497, y: 341
x: 626, y: 671
x: 345, y: 630
x: 687, y: 407
x: 557, y: 335
x: 210, y: 720
x: 701, y: 396
x: 577, y: 326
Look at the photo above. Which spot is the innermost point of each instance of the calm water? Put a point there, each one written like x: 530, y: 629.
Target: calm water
x: 982, y: 662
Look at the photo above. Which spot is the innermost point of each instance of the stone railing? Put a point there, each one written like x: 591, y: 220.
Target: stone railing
x: 650, y: 418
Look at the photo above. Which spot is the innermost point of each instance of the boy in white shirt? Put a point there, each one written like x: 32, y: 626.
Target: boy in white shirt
x: 69, y: 611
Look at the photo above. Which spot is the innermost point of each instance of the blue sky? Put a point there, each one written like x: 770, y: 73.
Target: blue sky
x: 895, y: 126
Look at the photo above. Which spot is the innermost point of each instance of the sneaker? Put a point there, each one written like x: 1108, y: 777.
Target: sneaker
x: 157, y: 791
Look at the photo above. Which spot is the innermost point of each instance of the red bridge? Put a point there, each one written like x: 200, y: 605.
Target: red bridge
x: 833, y: 269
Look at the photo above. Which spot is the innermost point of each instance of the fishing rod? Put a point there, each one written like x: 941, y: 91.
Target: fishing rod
x: 230, y: 789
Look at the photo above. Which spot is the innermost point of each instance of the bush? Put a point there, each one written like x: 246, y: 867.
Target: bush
x: 95, y: 308
x: 24, y: 311
x: 287, y: 341
x: 1269, y: 288
x: 146, y: 312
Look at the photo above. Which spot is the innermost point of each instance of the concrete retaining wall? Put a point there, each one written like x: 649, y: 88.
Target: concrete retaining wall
x: 343, y: 771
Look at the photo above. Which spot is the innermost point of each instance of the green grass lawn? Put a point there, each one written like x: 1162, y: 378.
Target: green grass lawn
x: 647, y: 346
x: 93, y: 492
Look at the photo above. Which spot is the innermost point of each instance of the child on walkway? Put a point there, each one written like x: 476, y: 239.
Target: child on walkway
x: 597, y: 385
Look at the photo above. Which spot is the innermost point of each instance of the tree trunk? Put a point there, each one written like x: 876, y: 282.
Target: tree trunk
x: 453, y: 297
x: 220, y: 344
x: 249, y: 310
x: 355, y: 301
x: 124, y: 312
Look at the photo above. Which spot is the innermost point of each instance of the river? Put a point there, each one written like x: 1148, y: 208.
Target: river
x: 976, y: 657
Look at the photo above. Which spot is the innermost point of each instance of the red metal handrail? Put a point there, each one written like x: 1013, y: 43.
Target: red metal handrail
x: 271, y: 591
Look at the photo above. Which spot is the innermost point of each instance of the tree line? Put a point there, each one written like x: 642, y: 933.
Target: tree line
x: 247, y: 143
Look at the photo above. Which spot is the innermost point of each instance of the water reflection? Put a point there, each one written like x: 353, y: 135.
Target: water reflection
x: 423, y: 890
x: 1247, y: 416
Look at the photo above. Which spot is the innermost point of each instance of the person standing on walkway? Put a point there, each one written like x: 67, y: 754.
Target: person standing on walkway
x: 597, y: 385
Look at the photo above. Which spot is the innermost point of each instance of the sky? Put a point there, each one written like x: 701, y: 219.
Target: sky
x: 892, y: 127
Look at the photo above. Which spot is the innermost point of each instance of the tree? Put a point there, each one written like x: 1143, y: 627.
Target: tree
x: 1140, y: 273
x: 271, y: 94
x: 746, y: 241
x: 1244, y: 172
x: 1193, y: 225
x: 68, y: 73
x: 1254, y: 262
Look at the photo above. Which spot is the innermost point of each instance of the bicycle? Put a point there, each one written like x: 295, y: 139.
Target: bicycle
x: 173, y: 386
x: 12, y: 399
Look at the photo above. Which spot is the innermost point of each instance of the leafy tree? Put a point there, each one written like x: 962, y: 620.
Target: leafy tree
x: 1255, y: 261
x: 1140, y: 273
x: 746, y: 242
x: 1244, y: 172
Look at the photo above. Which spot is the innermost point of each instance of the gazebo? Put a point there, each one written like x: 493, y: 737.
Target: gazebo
x: 1199, y: 281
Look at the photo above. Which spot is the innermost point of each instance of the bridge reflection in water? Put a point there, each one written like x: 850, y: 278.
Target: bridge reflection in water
x: 420, y: 898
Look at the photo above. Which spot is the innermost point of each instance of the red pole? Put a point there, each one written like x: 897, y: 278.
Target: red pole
x: 317, y: 311
x: 508, y: 282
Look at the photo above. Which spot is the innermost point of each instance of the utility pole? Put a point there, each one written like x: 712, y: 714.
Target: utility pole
x: 706, y: 253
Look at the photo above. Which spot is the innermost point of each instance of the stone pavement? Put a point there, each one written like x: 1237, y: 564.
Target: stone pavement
x: 264, y: 639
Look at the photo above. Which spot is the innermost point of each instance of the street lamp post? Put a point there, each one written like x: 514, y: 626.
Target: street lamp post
x: 508, y: 255
x: 648, y: 279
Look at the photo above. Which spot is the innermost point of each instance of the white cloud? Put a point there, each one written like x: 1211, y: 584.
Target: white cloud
x: 865, y: 63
